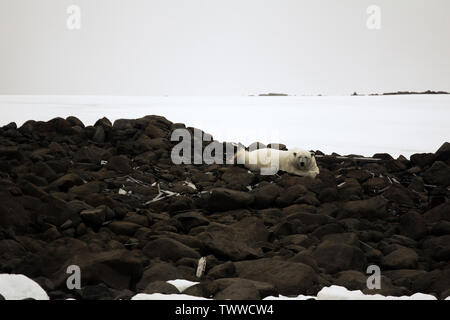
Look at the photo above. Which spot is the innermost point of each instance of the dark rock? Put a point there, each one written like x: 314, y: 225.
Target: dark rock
x: 335, y: 257
x: 99, y: 135
x: 265, y: 196
x: 441, y: 212
x: 443, y: 153
x: 412, y: 224
x: 237, y: 176
x: 180, y: 203
x: 436, y: 281
x: 88, y: 188
x: 91, y: 154
x: 438, y: 247
x: 375, y: 184
x: 169, y: 250
x: 403, y: 258
x: 441, y: 228
x: 118, y: 269
x: 352, y: 280
x: 438, y: 174
x: 43, y: 170
x: 350, y: 189
x: 96, y: 292
x: 400, y: 196
x: 370, y: 209
x: 235, y: 242
x: 159, y: 271
x: 104, y: 122
x: 306, y: 257
x: 289, y: 278
x: 328, y: 195
x: 66, y: 182
x: 422, y: 159
x: 360, y: 175
x: 61, y: 125
x: 309, y: 218
x: 224, y: 270
x: 96, y: 217
x: 191, y: 220
x: 222, y: 199
x: 124, y: 227
x: 395, y: 166
x: 382, y: 156
x: 154, y: 132
x: 330, y: 228
x: 403, y: 277
x: 123, y: 124
x: 290, y: 195
x: 120, y: 164
x: 161, y: 287
x: 348, y: 238
x: 56, y: 211
x: 74, y: 121
x: 416, y: 184
x: 77, y: 206
x: 240, y: 289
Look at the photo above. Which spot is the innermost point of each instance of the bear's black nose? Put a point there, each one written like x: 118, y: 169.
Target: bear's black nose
x: 302, y: 164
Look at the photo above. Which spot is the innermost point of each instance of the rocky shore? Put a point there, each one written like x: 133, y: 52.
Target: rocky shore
x: 108, y: 199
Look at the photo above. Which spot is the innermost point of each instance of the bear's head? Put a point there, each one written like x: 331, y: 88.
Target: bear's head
x: 303, y: 160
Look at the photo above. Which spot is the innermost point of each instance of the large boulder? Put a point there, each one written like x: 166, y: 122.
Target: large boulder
x: 402, y: 258
x: 289, y: 278
x: 412, y: 224
x: 237, y: 241
x: 439, y: 213
x: 371, y: 208
x: 265, y: 195
x: 169, y: 250
x: 443, y: 153
x: 334, y: 257
x: 240, y: 289
x: 158, y: 271
x: 221, y: 199
x: 118, y: 269
x: 438, y: 174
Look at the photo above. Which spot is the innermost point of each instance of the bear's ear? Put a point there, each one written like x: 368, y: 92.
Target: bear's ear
x: 295, y: 154
x: 312, y: 153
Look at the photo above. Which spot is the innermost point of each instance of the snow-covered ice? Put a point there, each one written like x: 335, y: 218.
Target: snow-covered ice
x: 18, y: 287
x: 341, y: 293
x: 181, y: 284
x: 160, y: 296
x: 347, y: 125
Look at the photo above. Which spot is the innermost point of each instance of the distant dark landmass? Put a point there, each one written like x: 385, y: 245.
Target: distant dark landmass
x: 273, y: 94
x: 402, y: 93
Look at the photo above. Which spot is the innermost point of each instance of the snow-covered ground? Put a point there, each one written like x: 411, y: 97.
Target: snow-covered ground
x: 17, y: 287
x: 362, y: 125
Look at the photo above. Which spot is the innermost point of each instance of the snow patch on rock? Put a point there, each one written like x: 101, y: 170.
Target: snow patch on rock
x: 19, y: 287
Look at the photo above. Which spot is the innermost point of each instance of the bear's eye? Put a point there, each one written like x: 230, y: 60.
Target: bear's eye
x: 295, y: 154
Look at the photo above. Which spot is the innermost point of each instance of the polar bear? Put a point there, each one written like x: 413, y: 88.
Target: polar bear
x: 269, y: 161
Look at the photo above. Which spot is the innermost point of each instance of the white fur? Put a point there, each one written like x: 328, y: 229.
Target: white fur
x: 269, y: 161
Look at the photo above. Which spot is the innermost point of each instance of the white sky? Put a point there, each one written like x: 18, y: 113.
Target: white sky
x: 223, y: 47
